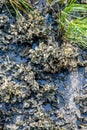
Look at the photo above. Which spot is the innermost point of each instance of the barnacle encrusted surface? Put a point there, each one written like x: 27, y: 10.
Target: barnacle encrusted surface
x: 54, y: 58
x: 24, y: 30
x: 34, y: 93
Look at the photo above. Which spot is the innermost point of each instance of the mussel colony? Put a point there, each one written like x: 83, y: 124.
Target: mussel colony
x: 43, y: 85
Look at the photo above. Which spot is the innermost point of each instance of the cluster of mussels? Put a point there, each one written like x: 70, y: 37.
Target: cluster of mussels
x: 54, y: 58
x: 23, y: 30
x: 17, y: 80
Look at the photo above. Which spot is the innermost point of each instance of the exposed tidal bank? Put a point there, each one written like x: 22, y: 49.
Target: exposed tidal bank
x: 42, y: 85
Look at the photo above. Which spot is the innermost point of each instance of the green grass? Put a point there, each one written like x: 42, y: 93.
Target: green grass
x: 73, y: 22
x: 52, y: 2
x: 18, y: 5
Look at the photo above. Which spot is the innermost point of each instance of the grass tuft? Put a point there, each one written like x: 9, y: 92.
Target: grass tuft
x: 74, y: 22
x: 18, y: 5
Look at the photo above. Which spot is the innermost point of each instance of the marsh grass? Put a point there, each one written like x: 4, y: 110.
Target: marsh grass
x: 18, y: 5
x: 73, y: 22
